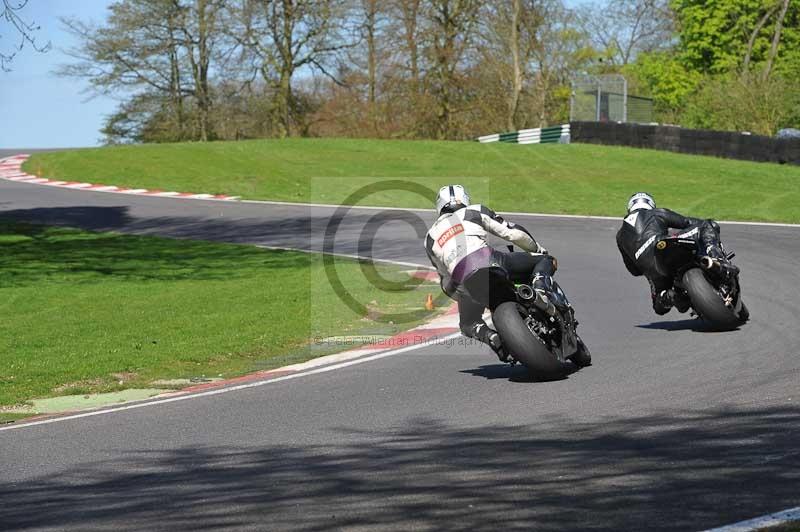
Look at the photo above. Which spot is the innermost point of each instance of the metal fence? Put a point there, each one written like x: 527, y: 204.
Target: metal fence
x: 606, y: 99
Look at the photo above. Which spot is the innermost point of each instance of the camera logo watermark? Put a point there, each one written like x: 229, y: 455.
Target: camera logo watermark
x: 366, y: 245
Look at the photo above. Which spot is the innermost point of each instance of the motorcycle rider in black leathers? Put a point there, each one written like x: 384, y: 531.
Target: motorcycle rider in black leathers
x: 637, y: 238
x: 456, y: 245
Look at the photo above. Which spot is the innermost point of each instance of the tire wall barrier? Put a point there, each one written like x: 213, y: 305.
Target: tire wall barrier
x: 540, y: 135
x: 728, y: 144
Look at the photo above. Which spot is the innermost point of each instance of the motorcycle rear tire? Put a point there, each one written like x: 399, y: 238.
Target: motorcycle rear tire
x: 523, y: 344
x: 707, y: 302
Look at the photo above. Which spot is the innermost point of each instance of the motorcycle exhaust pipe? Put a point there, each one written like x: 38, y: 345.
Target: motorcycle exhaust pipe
x: 526, y: 292
x: 708, y: 263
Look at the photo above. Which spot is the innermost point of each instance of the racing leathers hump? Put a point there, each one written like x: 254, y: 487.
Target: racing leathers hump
x: 638, y: 235
x: 456, y: 243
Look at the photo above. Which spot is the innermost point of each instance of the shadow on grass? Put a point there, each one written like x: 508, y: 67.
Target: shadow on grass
x: 31, y: 253
x: 659, y: 472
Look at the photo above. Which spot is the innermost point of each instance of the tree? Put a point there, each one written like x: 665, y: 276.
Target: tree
x: 510, y: 39
x: 621, y: 29
x: 410, y: 16
x: 198, y: 34
x: 744, y: 101
x: 160, y: 48
x: 717, y: 36
x: 24, y: 31
x: 287, y: 35
x: 370, y: 28
x: 776, y: 39
x: 451, y: 32
x: 667, y: 80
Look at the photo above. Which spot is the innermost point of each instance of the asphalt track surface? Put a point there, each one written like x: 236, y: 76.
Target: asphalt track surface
x: 672, y: 429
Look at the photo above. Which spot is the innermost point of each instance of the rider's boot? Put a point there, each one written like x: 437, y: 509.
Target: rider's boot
x: 497, y: 346
x: 681, y: 301
x: 490, y: 337
x: 542, y: 283
x: 542, y: 286
x: 662, y: 302
x: 715, y: 251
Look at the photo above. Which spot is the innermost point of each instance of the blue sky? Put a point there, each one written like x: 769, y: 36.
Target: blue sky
x: 40, y: 110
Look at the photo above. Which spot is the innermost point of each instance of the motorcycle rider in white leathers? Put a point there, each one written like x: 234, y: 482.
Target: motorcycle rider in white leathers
x: 456, y: 245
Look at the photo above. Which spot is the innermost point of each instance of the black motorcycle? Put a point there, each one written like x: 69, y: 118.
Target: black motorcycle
x: 710, y: 286
x: 539, y: 332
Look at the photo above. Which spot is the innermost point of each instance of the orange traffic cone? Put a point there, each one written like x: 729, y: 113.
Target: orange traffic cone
x: 429, y: 303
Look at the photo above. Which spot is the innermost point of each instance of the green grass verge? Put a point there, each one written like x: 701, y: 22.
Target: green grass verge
x: 7, y: 417
x: 96, y: 312
x: 571, y: 179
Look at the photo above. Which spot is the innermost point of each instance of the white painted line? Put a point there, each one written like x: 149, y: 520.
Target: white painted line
x: 133, y: 191
x: 779, y: 518
x: 201, y: 196
x: 220, y: 391
x: 166, y: 194
x: 107, y: 188
x: 78, y: 185
x: 761, y: 224
x: 509, y: 213
x: 338, y: 357
x: 57, y: 183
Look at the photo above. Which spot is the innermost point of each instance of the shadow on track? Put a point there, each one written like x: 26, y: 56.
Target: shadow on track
x: 516, y: 373
x: 190, y: 227
x: 695, y: 325
x: 498, y: 371
x: 661, y: 472
x: 304, y: 232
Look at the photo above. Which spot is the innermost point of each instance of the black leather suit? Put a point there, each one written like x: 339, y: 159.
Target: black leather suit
x: 639, y: 234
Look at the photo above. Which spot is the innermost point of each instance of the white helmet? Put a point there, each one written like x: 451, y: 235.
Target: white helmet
x: 450, y: 197
x: 641, y: 200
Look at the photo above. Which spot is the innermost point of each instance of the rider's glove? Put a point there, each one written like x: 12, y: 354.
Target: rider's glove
x: 540, y: 249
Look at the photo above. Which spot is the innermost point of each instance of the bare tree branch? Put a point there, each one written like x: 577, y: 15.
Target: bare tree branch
x: 24, y: 31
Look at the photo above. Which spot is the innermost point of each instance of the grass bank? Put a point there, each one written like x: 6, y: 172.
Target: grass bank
x: 569, y: 179
x: 97, y: 312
